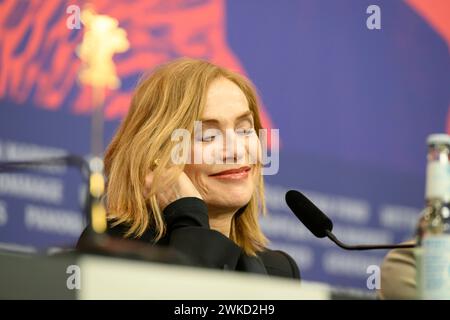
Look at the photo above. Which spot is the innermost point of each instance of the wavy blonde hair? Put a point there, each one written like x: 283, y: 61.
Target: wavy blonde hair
x: 172, y: 97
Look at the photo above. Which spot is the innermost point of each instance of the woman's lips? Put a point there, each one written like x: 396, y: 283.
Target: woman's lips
x: 233, y: 174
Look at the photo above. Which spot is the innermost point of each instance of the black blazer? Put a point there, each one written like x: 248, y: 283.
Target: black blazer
x: 188, y: 233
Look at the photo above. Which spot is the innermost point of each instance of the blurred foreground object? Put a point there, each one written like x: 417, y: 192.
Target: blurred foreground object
x: 101, y: 40
x: 424, y: 272
x: 433, y: 257
x: 84, y: 276
x: 398, y: 275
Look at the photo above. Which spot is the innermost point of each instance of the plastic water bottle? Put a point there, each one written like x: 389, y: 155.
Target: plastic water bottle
x: 433, y: 256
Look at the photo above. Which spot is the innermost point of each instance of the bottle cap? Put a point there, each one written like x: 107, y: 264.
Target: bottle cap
x: 438, y: 138
x: 438, y: 170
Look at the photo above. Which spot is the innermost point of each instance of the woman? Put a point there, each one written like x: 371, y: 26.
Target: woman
x: 205, y: 202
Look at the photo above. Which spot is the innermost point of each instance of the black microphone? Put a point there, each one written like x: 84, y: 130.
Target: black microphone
x: 321, y: 226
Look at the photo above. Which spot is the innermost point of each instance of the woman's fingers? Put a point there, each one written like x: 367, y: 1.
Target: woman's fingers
x: 186, y: 187
x: 165, y: 193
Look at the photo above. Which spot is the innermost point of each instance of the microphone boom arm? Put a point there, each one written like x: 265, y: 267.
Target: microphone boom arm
x: 333, y: 238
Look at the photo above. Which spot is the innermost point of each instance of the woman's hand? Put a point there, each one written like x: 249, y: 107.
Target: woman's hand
x: 182, y: 188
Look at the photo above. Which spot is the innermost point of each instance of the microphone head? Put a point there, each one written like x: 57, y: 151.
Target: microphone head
x: 311, y: 216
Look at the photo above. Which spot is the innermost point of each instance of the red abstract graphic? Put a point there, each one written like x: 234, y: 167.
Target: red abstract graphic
x: 38, y: 62
x: 436, y: 14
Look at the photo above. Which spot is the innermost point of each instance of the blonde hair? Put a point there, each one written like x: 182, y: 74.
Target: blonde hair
x: 172, y: 97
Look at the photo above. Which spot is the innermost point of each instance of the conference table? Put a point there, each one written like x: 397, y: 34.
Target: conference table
x: 74, y: 275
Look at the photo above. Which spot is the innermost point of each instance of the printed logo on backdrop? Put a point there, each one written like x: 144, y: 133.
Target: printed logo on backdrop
x: 40, y: 65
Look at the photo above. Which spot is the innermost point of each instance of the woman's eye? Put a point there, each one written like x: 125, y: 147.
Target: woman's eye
x: 245, y: 132
x: 208, y: 138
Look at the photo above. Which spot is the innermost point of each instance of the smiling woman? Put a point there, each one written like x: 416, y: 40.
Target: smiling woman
x: 208, y: 209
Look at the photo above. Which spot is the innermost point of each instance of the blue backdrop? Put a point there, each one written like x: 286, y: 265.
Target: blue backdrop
x: 353, y: 105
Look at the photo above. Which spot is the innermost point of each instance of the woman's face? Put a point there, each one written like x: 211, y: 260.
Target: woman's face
x: 225, y: 141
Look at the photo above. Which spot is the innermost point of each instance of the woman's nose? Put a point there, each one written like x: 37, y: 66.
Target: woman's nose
x: 233, y: 148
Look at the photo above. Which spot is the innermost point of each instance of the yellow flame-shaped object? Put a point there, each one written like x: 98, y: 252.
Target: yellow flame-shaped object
x: 102, y: 39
